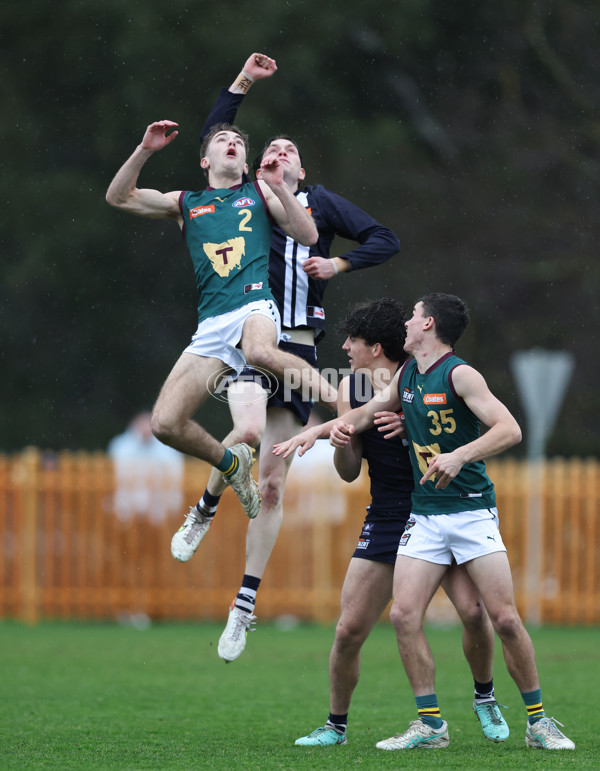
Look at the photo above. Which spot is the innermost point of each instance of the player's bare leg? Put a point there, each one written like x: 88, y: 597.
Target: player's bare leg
x: 415, y: 582
x: 262, y: 532
x: 259, y: 345
x: 272, y: 474
x: 247, y: 403
x: 478, y: 646
x: 491, y: 574
x: 366, y: 592
x: 248, y: 407
x: 184, y: 390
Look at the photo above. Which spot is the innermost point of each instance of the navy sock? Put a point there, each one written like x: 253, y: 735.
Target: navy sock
x: 484, y: 690
x: 339, y: 722
x: 246, y: 597
x: 207, y: 505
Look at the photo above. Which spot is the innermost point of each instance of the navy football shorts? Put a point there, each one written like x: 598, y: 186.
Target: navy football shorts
x: 379, y: 539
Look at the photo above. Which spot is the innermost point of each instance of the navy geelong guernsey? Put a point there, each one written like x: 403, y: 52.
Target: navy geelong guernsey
x: 298, y: 297
x: 228, y: 233
x: 439, y: 421
x: 388, y: 460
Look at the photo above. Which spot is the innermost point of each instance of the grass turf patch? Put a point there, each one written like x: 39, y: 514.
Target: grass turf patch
x: 112, y: 697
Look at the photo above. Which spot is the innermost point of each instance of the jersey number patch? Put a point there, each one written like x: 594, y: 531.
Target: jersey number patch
x: 442, y: 421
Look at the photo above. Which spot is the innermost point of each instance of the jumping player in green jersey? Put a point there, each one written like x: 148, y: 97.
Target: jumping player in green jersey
x: 227, y: 230
x: 454, y: 517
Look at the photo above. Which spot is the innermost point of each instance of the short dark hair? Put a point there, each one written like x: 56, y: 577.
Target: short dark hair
x: 216, y: 129
x: 380, y: 321
x: 450, y: 314
x: 258, y: 160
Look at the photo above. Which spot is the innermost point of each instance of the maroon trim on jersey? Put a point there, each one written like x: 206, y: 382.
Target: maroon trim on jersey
x: 183, y: 192
x: 264, y: 201
x: 436, y: 364
x: 451, y: 384
x: 401, y: 375
x: 233, y: 187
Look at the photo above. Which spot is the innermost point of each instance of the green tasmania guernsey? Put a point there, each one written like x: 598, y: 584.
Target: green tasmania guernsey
x: 228, y: 232
x: 438, y: 421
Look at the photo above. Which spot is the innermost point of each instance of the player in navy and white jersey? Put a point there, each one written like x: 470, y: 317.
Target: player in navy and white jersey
x: 298, y: 278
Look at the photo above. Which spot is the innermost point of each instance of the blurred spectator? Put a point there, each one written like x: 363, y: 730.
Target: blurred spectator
x: 149, y: 474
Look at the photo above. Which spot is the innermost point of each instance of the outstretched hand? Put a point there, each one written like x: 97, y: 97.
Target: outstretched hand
x: 271, y: 170
x: 260, y: 66
x: 304, y: 441
x: 156, y: 137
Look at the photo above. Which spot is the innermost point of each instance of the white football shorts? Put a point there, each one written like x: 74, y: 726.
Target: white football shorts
x: 463, y: 536
x: 218, y: 337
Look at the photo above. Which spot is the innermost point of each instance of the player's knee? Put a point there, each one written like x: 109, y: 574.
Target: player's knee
x: 263, y: 356
x: 507, y: 622
x: 251, y: 435
x: 403, y: 618
x: 348, y: 634
x: 271, y: 493
x: 162, y: 428
x: 472, y: 615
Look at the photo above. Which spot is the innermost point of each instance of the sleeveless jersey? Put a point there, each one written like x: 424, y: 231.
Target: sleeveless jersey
x: 228, y: 233
x: 298, y: 297
x: 389, y: 464
x: 438, y: 421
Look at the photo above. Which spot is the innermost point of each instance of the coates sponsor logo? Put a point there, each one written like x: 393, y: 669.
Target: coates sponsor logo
x: 408, y: 395
x: 241, y: 202
x: 434, y: 399
x: 198, y: 210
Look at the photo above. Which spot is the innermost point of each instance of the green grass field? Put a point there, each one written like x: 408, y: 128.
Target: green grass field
x: 112, y: 697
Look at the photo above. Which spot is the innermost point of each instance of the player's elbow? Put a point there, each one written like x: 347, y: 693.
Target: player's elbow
x: 113, y: 199
x: 515, y: 434
x: 309, y: 236
x: 348, y: 472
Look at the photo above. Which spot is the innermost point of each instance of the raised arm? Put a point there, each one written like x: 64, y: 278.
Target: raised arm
x: 122, y: 192
x: 503, y: 430
x: 224, y: 110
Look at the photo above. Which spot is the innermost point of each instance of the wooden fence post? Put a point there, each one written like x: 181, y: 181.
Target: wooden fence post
x: 30, y: 460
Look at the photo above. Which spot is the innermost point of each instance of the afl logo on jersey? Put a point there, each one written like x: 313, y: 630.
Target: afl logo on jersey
x: 241, y: 202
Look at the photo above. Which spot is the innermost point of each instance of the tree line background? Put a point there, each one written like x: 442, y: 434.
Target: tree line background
x: 471, y: 129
